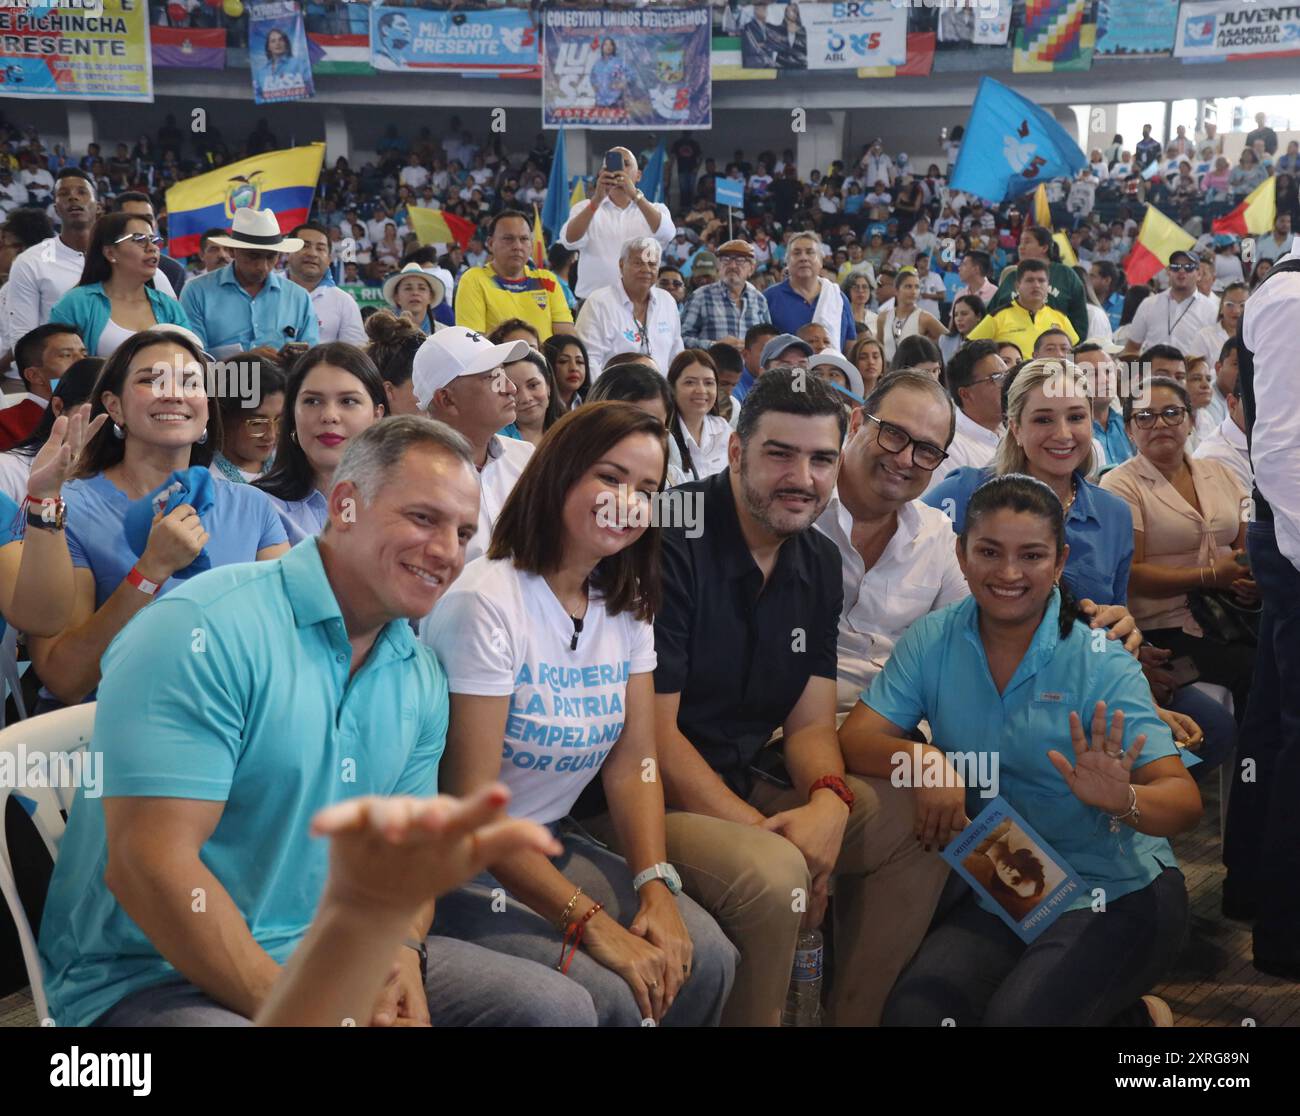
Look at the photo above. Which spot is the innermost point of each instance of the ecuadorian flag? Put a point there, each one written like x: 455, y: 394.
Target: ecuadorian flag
x: 284, y: 181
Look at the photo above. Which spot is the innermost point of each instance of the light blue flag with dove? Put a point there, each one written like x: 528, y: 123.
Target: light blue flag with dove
x: 1011, y: 145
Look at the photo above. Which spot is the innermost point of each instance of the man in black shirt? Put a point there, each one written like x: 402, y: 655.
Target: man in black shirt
x: 687, y: 153
x: 746, y: 642
x: 1263, y: 132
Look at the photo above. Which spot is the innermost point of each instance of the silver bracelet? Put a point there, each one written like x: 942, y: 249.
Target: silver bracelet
x: 1132, y: 812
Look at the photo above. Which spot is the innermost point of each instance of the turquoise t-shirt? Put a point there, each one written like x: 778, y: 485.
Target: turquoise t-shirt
x: 241, y: 523
x: 940, y: 673
x: 10, y: 524
x: 234, y: 688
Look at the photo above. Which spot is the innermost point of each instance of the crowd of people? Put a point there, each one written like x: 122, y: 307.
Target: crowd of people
x: 669, y: 549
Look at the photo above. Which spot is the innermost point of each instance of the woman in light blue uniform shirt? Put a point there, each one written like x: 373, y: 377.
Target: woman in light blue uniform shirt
x: 1050, y: 437
x: 1081, y: 755
x: 334, y: 392
x: 160, y: 421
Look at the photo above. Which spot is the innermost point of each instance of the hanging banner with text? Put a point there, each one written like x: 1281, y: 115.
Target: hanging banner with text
x: 461, y: 42
x: 842, y: 35
x: 1129, y: 28
x: 627, y: 69
x: 277, y: 53
x: 1211, y: 28
x: 98, y: 52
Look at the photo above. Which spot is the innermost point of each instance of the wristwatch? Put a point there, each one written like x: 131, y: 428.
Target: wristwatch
x: 48, y: 514
x: 661, y: 871
x: 422, y: 951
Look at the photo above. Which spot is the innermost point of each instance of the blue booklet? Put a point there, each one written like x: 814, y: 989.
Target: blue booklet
x: 1015, y: 873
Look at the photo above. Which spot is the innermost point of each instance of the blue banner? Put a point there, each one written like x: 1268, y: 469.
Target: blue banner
x: 1012, y: 145
x: 1136, y: 27
x: 277, y: 53
x: 729, y: 191
x: 645, y: 68
x: 502, y: 42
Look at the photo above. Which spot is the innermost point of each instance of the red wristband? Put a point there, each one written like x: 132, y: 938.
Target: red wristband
x: 147, y: 587
x: 836, y: 786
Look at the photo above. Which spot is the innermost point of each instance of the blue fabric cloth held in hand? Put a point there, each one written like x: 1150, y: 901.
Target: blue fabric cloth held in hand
x: 191, y: 486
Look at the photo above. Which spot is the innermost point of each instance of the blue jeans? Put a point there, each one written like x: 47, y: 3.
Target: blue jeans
x: 1260, y: 847
x: 1085, y: 970
x: 505, y: 926
x: 1218, y: 725
x: 467, y: 987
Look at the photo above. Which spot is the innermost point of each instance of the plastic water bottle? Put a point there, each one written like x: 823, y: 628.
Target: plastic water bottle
x: 803, y: 1005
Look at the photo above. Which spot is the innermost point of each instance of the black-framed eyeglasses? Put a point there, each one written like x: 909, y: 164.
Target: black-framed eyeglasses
x: 894, y: 439
x: 1172, y: 416
x: 140, y: 238
x: 671, y: 284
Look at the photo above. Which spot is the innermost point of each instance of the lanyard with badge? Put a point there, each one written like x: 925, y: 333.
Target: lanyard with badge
x: 1169, y: 310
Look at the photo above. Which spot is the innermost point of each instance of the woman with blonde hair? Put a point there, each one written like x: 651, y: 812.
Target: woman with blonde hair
x: 1049, y: 437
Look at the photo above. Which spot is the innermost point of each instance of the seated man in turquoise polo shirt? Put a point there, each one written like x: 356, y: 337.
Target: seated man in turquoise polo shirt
x: 234, y: 709
x: 246, y: 304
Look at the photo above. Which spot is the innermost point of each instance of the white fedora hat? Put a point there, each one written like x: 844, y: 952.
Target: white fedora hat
x: 257, y: 229
x: 414, y: 270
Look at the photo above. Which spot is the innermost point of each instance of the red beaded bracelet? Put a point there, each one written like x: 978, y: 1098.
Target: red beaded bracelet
x: 575, y: 931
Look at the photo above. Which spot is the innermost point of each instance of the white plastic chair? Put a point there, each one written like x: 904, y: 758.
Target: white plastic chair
x: 10, y: 682
x: 65, y: 730
x: 1223, y: 696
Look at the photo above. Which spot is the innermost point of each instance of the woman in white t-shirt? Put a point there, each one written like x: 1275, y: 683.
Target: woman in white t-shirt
x: 699, y: 433
x: 548, y: 645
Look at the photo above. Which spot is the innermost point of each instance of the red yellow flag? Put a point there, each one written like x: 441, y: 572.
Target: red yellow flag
x: 1042, y: 210
x: 1158, y: 239
x: 434, y: 226
x: 539, y: 241
x: 1254, y: 216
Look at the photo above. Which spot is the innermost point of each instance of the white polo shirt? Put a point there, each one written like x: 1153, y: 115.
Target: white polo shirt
x: 608, y: 327
x: 1162, y: 321
x: 338, y: 314
x: 603, y: 241
x: 917, y: 574
x: 505, y: 463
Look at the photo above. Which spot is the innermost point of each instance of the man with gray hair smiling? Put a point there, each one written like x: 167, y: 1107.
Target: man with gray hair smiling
x: 179, y: 896
x: 632, y: 315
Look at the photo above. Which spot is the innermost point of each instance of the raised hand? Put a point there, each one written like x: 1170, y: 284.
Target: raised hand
x: 399, y: 853
x: 1100, y: 774
x: 55, y: 460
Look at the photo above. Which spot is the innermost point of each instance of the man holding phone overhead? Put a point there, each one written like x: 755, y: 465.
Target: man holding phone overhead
x: 617, y: 212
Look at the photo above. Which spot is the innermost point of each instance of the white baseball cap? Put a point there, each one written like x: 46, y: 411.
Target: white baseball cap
x: 454, y: 352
